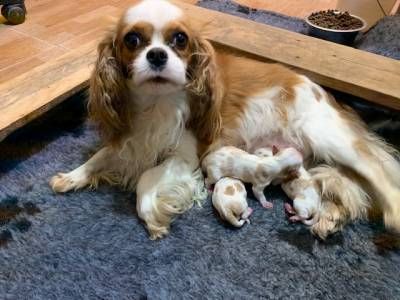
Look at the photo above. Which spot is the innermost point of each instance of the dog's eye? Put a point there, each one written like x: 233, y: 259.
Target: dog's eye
x: 132, y: 40
x: 180, y: 40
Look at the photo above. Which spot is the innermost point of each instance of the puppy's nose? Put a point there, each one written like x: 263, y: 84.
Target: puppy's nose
x: 157, y: 57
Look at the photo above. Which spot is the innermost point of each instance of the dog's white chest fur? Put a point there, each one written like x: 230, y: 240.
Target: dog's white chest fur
x: 155, y: 133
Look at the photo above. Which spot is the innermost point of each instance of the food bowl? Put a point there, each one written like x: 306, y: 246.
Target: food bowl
x: 340, y: 36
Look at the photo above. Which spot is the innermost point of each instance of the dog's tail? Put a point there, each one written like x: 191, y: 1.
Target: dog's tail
x: 342, y: 199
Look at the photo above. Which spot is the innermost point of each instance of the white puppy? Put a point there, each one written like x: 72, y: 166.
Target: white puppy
x: 229, y: 199
x: 302, y: 190
x: 259, y: 171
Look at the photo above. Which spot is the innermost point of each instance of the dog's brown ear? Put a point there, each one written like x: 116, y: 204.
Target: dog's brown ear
x: 107, y: 94
x: 205, y: 91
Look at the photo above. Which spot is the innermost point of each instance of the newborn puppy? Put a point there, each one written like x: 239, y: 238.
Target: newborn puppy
x: 259, y: 171
x: 229, y: 199
x: 302, y: 190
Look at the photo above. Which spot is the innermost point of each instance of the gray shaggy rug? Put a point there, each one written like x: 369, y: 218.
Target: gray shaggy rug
x: 91, y: 245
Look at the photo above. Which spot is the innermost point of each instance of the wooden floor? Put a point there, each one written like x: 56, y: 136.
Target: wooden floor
x: 54, y: 27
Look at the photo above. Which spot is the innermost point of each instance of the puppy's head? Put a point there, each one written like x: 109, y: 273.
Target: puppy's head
x: 152, y: 51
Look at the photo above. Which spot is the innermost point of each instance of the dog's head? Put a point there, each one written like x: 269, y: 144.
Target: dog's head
x: 152, y: 51
x: 155, y: 45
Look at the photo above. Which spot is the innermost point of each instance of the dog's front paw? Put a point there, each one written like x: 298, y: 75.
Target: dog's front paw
x: 65, y: 182
x: 61, y: 183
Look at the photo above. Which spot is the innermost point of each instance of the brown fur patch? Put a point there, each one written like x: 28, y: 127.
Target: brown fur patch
x: 243, y: 78
x: 361, y: 146
x: 260, y: 170
x: 248, y: 174
x: 107, y: 101
x: 291, y: 175
x: 239, y: 187
x: 229, y: 190
x: 239, y: 79
x: 173, y: 28
x: 259, y: 175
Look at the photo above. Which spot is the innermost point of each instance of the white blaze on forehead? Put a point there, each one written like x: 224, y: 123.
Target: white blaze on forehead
x: 156, y: 12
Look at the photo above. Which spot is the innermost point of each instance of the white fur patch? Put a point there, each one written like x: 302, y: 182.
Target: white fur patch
x: 156, y: 133
x: 175, y: 70
x: 157, y: 12
x: 261, y: 125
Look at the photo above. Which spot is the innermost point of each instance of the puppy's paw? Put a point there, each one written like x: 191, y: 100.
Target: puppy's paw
x: 246, y: 215
x: 267, y: 205
x: 289, y: 209
x: 301, y: 216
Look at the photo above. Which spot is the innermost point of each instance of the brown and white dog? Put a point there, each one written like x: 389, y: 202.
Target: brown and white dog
x: 232, y: 162
x: 160, y: 92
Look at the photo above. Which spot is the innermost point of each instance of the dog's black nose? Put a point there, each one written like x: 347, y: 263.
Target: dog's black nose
x: 157, y: 58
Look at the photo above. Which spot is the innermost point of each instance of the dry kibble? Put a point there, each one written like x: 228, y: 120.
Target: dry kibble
x: 335, y: 20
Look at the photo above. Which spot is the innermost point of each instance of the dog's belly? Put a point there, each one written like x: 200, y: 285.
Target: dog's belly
x: 264, y: 125
x: 268, y: 141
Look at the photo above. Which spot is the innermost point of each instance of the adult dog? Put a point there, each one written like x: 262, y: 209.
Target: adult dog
x: 163, y: 96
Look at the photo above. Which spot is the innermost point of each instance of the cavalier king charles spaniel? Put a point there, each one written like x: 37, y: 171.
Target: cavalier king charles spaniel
x: 164, y: 98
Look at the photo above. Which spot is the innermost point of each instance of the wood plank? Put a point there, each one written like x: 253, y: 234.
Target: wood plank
x: 30, y: 62
x: 363, y: 74
x: 356, y: 72
x: 37, y: 91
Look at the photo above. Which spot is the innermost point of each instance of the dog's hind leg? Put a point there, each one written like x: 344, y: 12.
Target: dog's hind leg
x: 343, y: 139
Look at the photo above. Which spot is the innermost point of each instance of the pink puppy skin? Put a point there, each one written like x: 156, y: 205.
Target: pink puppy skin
x: 290, y: 210
x: 249, y: 212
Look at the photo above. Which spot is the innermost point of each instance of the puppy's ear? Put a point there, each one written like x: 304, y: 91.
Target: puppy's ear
x: 107, y: 94
x: 205, y: 91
